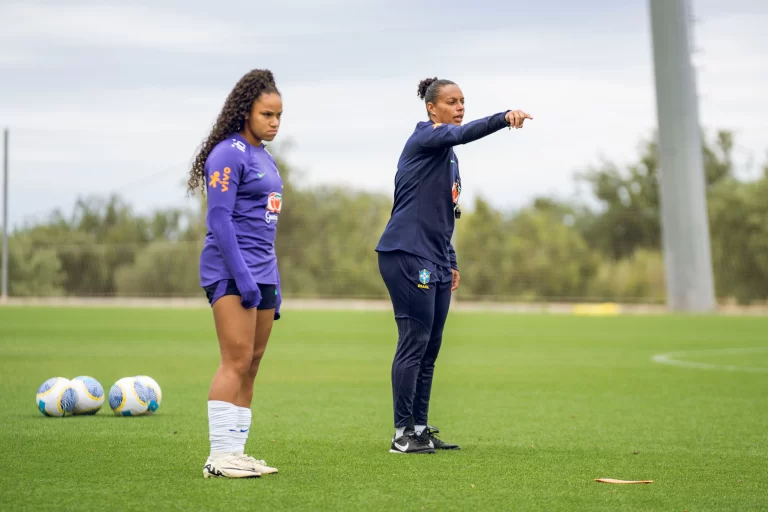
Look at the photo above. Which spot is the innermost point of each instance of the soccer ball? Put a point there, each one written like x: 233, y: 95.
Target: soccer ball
x: 154, y: 391
x: 56, y: 397
x: 128, y: 397
x: 90, y: 395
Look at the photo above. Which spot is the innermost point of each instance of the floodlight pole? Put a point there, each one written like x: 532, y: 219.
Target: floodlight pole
x: 684, y: 220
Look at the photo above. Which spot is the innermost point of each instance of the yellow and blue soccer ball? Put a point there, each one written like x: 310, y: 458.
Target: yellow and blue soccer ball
x: 129, y: 397
x: 56, y: 397
x: 90, y: 395
x: 154, y: 392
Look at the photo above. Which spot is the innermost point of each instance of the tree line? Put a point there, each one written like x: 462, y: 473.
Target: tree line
x: 606, y: 246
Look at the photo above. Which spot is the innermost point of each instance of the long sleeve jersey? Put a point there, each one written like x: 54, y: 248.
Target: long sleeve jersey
x: 245, y: 197
x: 427, y: 189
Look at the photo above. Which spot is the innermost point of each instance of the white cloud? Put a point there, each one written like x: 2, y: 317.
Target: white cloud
x: 590, y: 91
x: 732, y: 78
x: 233, y: 30
x: 116, y: 26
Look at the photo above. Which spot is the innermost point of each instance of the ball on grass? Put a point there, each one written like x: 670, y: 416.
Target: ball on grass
x: 128, y: 397
x: 56, y: 397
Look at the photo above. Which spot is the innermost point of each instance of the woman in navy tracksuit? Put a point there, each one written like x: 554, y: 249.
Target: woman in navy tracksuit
x: 416, y: 258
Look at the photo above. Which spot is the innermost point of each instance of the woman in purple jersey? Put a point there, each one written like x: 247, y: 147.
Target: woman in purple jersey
x: 238, y: 266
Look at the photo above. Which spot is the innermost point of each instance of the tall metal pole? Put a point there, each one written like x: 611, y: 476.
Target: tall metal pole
x: 684, y: 220
x: 4, y: 278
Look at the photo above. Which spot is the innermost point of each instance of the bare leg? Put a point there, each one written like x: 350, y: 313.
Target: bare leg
x: 264, y: 320
x: 235, y: 327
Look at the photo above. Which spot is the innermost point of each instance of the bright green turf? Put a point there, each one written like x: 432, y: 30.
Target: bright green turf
x: 541, y: 405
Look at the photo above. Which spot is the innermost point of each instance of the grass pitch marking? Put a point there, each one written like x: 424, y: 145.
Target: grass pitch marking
x: 677, y: 359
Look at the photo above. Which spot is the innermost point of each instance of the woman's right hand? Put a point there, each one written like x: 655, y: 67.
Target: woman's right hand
x: 516, y: 118
x: 250, y: 295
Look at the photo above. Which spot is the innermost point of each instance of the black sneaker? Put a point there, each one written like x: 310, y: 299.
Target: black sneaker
x: 430, y: 439
x: 409, y: 442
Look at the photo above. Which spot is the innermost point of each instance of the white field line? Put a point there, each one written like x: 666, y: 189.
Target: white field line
x: 678, y: 359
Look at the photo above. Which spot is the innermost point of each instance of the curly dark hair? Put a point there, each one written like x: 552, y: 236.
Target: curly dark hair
x: 430, y: 87
x: 231, y: 119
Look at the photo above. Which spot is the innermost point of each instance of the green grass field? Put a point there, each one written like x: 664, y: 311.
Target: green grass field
x: 542, y: 405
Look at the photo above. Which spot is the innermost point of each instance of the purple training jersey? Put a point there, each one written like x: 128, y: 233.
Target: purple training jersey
x: 245, y: 196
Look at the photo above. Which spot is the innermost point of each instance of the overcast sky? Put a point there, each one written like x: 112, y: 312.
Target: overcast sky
x: 102, y: 98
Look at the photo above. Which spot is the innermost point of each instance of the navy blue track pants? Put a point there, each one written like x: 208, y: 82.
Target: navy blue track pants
x: 421, y: 296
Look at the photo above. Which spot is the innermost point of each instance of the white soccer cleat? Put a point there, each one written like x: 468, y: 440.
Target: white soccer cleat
x: 260, y: 465
x: 231, y: 466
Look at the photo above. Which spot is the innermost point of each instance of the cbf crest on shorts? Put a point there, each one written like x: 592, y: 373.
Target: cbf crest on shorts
x: 424, y: 275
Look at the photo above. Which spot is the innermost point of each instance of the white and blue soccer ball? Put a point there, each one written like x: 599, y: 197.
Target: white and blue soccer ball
x: 129, y: 397
x: 90, y: 395
x: 154, y: 391
x: 56, y: 397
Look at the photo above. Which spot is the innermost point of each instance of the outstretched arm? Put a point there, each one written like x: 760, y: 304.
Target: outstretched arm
x: 447, y: 135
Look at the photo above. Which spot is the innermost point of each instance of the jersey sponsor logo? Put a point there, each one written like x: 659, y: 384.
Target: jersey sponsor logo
x: 238, y: 144
x: 217, y: 179
x: 424, y: 276
x: 274, y: 206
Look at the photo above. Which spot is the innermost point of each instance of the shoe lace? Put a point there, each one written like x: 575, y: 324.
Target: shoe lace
x: 422, y: 438
x: 248, y: 458
x: 431, y: 431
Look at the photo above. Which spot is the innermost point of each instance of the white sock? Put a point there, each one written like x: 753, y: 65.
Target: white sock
x: 222, y: 428
x: 399, y: 432
x: 243, y: 426
x: 419, y: 429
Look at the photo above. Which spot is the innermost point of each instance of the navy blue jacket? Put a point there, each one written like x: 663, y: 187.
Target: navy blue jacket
x: 427, y: 189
